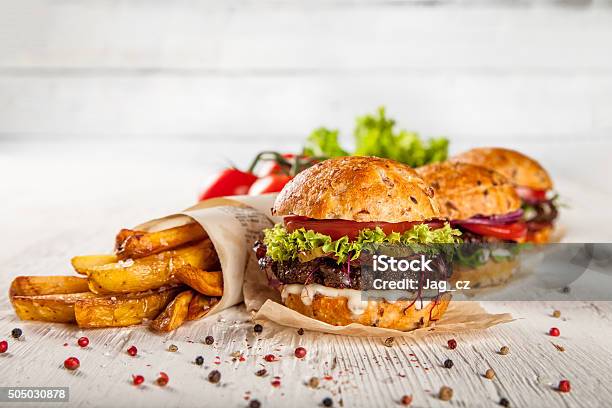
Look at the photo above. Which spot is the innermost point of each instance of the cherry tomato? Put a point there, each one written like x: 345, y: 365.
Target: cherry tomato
x: 336, y: 229
x: 514, y: 232
x: 228, y: 182
x: 531, y: 195
x: 269, y: 184
x: 270, y: 167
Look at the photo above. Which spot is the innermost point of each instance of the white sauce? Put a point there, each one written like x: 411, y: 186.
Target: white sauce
x: 355, y: 302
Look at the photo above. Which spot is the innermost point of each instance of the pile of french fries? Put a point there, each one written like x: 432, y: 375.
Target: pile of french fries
x: 165, y: 277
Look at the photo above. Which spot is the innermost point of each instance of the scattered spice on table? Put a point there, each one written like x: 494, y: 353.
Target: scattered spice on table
x: 72, y: 363
x: 276, y: 383
x: 448, y: 363
x: 173, y: 348
x: 254, y: 404
x: 313, y: 382
x: 132, y: 351
x: 214, y: 376
x: 300, y: 331
x: 452, y: 344
x: 163, y: 379
x: 504, y: 402
x: 83, y: 342
x: 209, y: 340
x: 137, y: 379
x: 554, y: 332
x: 328, y: 402
x: 16, y: 333
x: 199, y: 360
x: 490, y: 374
x: 504, y: 350
x: 557, y: 313
x: 564, y: 386
x: 270, y: 358
x: 300, y: 352
x: 389, y: 341
x: 406, y: 400
x: 445, y: 393
x: 258, y: 328
x: 3, y: 346
x: 559, y: 347
x: 261, y: 373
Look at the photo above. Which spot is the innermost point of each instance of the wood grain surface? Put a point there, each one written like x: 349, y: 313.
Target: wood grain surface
x: 73, y: 201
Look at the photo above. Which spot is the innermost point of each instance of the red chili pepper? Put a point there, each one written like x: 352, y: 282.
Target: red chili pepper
x: 269, y: 184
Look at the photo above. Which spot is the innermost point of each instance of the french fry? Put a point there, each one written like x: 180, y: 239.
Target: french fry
x: 122, y: 310
x: 151, y: 272
x: 175, y: 314
x: 200, y: 305
x: 205, y: 282
x: 57, y: 308
x: 82, y: 263
x: 138, y: 244
x: 47, y: 285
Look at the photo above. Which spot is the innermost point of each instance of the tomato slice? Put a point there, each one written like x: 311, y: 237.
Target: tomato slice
x: 513, y: 232
x: 530, y: 194
x: 337, y: 229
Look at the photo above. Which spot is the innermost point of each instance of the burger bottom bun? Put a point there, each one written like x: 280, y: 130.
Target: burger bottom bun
x: 490, y: 274
x: 399, y: 315
x: 539, y: 237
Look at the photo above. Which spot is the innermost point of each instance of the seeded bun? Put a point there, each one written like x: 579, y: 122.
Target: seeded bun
x: 519, y: 169
x: 358, y: 189
x: 464, y: 190
x: 399, y: 315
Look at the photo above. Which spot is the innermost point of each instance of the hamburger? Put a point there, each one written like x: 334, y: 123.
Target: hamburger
x: 531, y: 181
x: 484, y: 206
x: 333, y: 213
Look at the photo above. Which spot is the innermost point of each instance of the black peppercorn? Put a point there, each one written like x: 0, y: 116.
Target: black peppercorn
x: 261, y: 373
x: 16, y: 333
x: 254, y: 404
x: 199, y: 360
x: 214, y: 376
x: 504, y: 402
x: 209, y: 340
x: 328, y: 402
x: 300, y: 331
x: 448, y: 363
x: 258, y: 328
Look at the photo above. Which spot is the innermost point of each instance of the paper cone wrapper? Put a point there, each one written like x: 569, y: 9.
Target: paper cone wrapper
x: 233, y: 224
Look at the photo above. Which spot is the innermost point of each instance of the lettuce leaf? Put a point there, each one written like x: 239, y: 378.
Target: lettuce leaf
x: 375, y: 136
x: 283, y: 245
x: 323, y: 142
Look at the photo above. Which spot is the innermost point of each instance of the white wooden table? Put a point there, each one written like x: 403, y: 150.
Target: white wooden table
x: 67, y: 199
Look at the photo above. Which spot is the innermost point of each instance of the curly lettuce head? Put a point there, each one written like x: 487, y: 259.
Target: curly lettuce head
x: 283, y: 245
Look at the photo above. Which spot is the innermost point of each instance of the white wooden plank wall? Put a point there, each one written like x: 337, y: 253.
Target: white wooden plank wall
x: 272, y: 70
